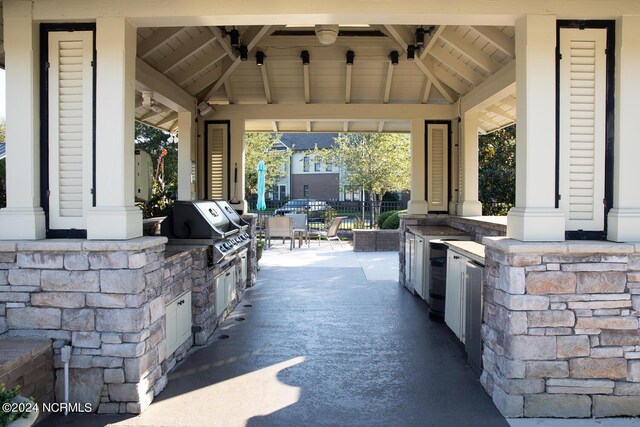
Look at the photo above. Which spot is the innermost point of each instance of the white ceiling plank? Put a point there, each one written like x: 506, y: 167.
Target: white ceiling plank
x: 471, y: 51
x: 174, y: 127
x: 149, y: 114
x: 381, y: 126
x: 427, y: 90
x: 227, y: 90
x: 149, y: 45
x: 265, y: 83
x: 482, y: 130
x: 305, y: 72
x: 488, y: 120
x: 254, y: 40
x: 387, y: 87
x: 426, y: 66
x: 182, y: 77
x: 395, y: 32
x: 450, y: 81
x: 492, y: 90
x: 498, y: 39
x: 168, y: 119
x: 165, y: 90
x: 510, y: 101
x: 500, y: 112
x: 308, y: 125
x: 432, y: 40
x: 183, y: 52
x: 205, y: 80
x: 347, y: 91
x: 456, y: 65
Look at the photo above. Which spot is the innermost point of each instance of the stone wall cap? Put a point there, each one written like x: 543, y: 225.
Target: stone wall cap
x: 137, y: 244
x: 16, y: 350
x: 249, y: 215
x: 511, y: 246
x: 8, y: 246
x: 72, y: 245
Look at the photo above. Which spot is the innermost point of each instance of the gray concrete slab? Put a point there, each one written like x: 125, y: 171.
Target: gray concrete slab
x: 321, y: 345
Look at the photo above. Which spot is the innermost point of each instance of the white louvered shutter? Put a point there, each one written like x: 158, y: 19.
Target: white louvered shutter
x: 217, y: 154
x: 437, y: 172
x: 582, y: 127
x: 70, y: 128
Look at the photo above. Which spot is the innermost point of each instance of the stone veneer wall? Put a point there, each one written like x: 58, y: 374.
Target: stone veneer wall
x: 107, y: 298
x: 376, y: 240
x: 561, y: 328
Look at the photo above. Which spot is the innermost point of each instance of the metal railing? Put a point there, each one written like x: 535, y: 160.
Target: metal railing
x: 494, y: 208
x: 359, y: 214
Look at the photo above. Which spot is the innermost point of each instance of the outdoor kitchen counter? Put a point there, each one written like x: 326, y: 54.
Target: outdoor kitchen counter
x: 470, y: 249
x: 435, y: 230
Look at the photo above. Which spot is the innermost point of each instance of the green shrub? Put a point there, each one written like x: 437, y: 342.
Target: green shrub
x: 383, y: 217
x: 7, y: 396
x: 393, y: 222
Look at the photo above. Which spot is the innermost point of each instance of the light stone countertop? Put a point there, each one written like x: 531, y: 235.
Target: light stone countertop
x: 435, y: 230
x: 468, y: 248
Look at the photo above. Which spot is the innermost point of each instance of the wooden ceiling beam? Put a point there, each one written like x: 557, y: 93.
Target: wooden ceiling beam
x: 498, y: 39
x: 168, y: 119
x: 380, y: 125
x: 432, y: 40
x: 184, y: 76
x: 227, y: 90
x: 387, y: 86
x: 266, y: 83
x: 500, y: 112
x: 185, y: 51
x: 307, y: 83
x: 464, y: 70
x: 347, y: 90
x: 470, y: 50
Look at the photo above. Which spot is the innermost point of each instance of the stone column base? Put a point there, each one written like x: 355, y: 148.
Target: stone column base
x: 536, y: 224
x: 470, y: 208
x: 22, y: 224
x: 417, y: 207
x: 624, y: 225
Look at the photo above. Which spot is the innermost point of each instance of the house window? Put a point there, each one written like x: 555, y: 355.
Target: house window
x: 351, y: 194
x: 306, y: 163
x: 317, y: 166
x: 283, y: 192
x: 329, y: 167
x: 279, y: 192
x: 305, y: 191
x: 347, y: 194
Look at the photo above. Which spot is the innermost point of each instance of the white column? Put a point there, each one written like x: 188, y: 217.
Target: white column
x: 624, y: 217
x: 23, y: 218
x: 237, y: 158
x: 115, y: 216
x: 535, y: 217
x: 186, y: 126
x: 418, y: 203
x: 468, y: 204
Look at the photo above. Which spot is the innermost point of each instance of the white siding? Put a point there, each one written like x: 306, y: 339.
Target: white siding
x: 582, y: 127
x: 70, y: 128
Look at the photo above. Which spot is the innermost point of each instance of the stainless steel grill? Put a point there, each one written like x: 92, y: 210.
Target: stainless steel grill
x: 207, y: 222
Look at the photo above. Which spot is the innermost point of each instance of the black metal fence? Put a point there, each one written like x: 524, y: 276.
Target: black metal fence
x: 494, y: 208
x: 360, y: 214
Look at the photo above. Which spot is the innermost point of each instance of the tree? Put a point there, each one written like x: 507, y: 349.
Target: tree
x: 163, y: 149
x: 497, y: 171
x: 265, y: 147
x: 375, y: 162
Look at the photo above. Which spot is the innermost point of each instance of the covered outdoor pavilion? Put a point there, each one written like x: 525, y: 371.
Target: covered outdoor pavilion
x: 79, y: 73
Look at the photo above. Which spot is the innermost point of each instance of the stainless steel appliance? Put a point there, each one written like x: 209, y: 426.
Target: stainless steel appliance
x: 207, y: 222
x: 473, y: 327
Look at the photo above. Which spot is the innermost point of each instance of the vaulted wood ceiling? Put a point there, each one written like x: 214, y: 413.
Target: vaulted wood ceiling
x: 453, y: 61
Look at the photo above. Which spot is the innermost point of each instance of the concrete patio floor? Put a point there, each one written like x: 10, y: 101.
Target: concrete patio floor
x: 328, y: 338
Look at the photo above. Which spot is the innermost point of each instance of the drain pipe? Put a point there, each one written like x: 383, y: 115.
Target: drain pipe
x: 65, y: 353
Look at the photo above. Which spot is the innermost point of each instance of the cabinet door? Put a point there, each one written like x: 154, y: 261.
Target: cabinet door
x: 419, y: 268
x: 220, y: 294
x: 230, y: 285
x: 243, y: 269
x: 184, y: 318
x: 171, y: 327
x: 452, y: 298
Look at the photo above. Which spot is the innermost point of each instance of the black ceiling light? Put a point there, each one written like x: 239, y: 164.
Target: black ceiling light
x: 393, y: 56
x: 411, y: 52
x: 420, y: 37
x: 305, y: 57
x: 260, y: 57
x: 244, y: 53
x: 235, y: 38
x: 350, y: 56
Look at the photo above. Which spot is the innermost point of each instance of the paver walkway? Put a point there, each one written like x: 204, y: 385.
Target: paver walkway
x: 328, y: 338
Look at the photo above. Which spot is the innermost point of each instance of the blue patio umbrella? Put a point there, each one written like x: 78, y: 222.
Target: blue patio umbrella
x: 262, y: 169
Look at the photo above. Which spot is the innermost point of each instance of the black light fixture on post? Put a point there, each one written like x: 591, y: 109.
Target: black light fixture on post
x: 420, y: 37
x: 244, y: 53
x: 305, y: 57
x: 411, y: 52
x: 260, y: 56
x: 235, y: 38
x: 350, y: 56
x: 393, y: 56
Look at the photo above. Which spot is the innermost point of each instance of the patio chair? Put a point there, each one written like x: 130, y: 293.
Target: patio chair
x: 331, y: 233
x: 280, y: 226
x: 300, y: 227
